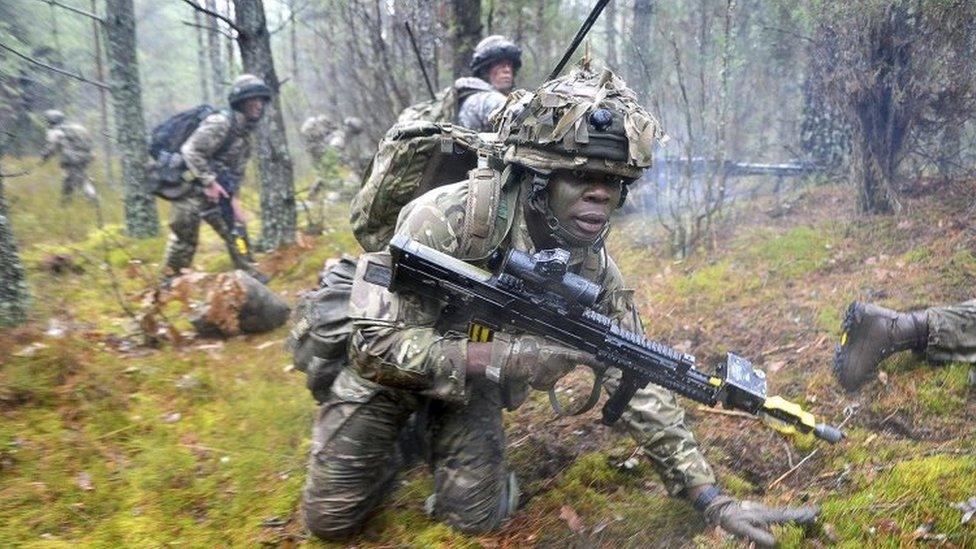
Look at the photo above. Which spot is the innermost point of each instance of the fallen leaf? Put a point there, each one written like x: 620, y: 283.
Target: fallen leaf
x: 172, y: 417
x: 30, y: 350
x: 775, y: 366
x: 84, y: 481
x: 968, y: 509
x: 265, y: 345
x: 572, y: 519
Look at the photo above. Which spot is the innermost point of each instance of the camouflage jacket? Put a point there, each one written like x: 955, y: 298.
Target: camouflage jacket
x: 478, y: 99
x: 71, y: 141
x: 200, y: 151
x: 395, y: 342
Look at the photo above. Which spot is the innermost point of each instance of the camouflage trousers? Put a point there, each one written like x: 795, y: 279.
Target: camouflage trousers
x: 354, y: 461
x: 184, y: 224
x: 952, y: 333
x: 75, y: 178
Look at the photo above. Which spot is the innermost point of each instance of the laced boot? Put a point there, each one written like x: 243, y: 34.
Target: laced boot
x: 872, y: 333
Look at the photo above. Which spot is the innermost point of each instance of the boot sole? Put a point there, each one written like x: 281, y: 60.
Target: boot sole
x: 840, y: 350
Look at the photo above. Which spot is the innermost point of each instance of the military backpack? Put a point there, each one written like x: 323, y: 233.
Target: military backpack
x: 168, y: 176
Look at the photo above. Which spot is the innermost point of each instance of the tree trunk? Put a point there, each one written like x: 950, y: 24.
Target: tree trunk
x: 218, y: 74
x: 231, y: 62
x: 141, y: 218
x: 201, y: 58
x: 278, y: 216
x: 107, y: 152
x: 610, y: 34
x: 14, y: 298
x: 638, y: 56
x: 465, y: 33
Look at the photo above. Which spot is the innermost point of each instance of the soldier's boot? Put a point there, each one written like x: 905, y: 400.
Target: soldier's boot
x: 871, y: 334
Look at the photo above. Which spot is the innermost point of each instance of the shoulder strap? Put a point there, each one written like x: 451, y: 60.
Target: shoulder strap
x: 488, y: 216
x: 229, y: 138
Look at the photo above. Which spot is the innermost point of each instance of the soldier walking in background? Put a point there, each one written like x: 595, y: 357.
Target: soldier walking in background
x: 331, y: 149
x: 872, y: 333
x: 72, y: 142
x: 216, y: 154
x: 495, y: 63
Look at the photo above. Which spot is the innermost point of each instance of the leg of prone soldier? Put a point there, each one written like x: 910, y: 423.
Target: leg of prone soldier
x: 872, y: 333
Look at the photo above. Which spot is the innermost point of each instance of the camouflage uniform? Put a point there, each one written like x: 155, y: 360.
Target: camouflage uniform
x: 400, y: 363
x: 952, y: 332
x: 477, y: 101
x: 73, y: 145
x: 206, y: 154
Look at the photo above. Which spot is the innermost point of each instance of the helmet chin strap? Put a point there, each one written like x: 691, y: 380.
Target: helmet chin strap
x: 539, y: 201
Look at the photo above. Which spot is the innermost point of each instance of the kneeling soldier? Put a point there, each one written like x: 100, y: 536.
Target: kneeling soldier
x: 572, y: 148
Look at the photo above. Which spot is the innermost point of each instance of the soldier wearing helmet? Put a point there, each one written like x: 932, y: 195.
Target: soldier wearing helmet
x: 216, y: 153
x: 335, y: 157
x: 495, y: 62
x: 571, y: 149
x: 72, y: 143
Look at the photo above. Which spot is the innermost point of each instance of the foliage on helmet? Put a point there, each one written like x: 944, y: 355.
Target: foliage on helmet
x: 247, y: 86
x: 588, y: 119
x: 493, y: 49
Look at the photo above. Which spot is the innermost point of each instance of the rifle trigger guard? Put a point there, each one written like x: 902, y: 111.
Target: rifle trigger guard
x: 586, y: 407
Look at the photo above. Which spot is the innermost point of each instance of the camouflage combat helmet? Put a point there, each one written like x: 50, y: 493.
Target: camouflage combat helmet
x: 247, y: 86
x: 493, y: 49
x: 587, y: 120
x: 53, y: 116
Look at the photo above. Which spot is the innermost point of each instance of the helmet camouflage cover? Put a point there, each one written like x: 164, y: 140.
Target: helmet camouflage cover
x: 493, y: 49
x: 588, y: 120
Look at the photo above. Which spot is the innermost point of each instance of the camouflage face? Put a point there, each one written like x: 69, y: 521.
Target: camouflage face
x: 582, y: 202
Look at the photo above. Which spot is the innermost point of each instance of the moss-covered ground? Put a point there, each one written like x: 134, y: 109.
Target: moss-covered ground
x: 104, y: 442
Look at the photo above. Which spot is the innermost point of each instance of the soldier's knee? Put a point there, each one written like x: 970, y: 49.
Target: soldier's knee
x: 327, y: 522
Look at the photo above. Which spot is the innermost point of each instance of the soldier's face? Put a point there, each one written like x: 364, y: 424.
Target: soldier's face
x: 583, y: 201
x: 253, y: 108
x: 501, y: 76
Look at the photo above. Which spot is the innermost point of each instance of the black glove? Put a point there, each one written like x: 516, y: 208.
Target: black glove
x: 751, y: 520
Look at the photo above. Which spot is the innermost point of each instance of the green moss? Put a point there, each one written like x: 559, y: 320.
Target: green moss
x: 899, y: 500
x: 793, y: 253
x: 944, y: 392
x: 919, y: 254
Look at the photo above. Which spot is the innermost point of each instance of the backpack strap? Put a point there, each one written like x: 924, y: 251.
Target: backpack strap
x: 229, y: 138
x: 489, y: 211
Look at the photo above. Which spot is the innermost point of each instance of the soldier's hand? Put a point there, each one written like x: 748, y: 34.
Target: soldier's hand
x: 536, y: 360
x: 214, y: 192
x: 751, y: 520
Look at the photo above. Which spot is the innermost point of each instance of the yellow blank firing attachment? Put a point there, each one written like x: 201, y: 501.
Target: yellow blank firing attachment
x: 789, y: 418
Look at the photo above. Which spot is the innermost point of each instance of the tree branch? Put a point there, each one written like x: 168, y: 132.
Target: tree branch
x: 209, y: 28
x: 74, y: 9
x: 102, y: 85
x: 211, y: 13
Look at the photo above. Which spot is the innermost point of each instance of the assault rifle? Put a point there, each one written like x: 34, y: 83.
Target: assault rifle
x: 536, y: 294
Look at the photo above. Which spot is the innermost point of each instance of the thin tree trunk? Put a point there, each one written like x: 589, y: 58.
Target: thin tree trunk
x: 141, y: 218
x: 638, y: 51
x: 610, y: 33
x: 278, y: 216
x: 465, y: 33
x: 293, y: 35
x: 217, y: 67
x: 231, y: 62
x: 107, y: 152
x: 14, y: 298
x: 201, y: 58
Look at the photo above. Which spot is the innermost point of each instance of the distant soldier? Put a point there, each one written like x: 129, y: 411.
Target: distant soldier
x: 872, y: 333
x: 331, y: 148
x: 216, y: 153
x: 73, y: 143
x: 495, y: 62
